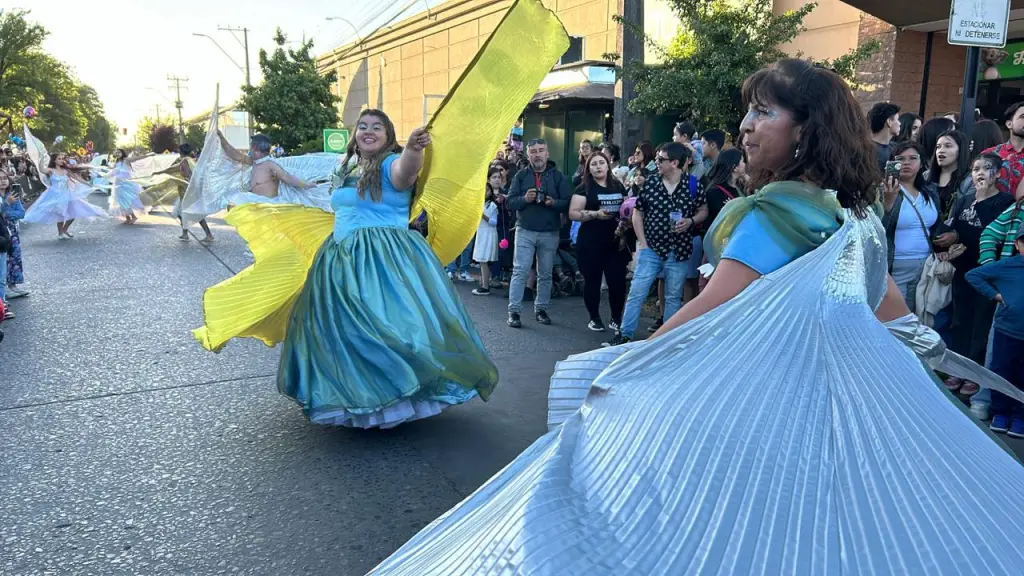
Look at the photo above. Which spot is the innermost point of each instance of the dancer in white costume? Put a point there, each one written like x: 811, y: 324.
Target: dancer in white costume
x: 64, y: 200
x: 124, y: 195
x: 774, y: 425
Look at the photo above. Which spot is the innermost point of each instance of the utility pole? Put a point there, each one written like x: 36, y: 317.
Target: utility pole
x: 245, y: 46
x: 179, y: 105
x: 629, y: 128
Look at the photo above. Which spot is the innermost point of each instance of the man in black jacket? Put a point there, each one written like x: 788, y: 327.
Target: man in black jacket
x: 540, y: 195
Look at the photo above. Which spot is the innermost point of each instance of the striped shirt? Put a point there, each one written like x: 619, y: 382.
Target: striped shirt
x: 997, y: 239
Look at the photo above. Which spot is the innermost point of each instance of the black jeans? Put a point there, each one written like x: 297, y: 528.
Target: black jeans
x: 1008, y: 362
x: 595, y: 260
x: 972, y: 320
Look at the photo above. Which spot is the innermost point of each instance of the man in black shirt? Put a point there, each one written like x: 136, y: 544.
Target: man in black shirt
x: 668, y: 212
x: 884, y: 118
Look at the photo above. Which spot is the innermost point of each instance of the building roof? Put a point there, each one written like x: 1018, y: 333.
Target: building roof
x: 908, y: 13
x: 205, y: 116
x: 589, y: 91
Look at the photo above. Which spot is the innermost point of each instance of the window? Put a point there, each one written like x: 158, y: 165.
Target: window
x: 575, y: 51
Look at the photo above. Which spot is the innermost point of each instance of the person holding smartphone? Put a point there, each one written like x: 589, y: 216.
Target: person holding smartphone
x: 540, y: 195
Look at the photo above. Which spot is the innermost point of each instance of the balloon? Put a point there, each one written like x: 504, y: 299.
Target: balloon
x: 58, y: 140
x: 81, y: 151
x: 626, y: 210
x: 89, y: 146
x: 30, y: 112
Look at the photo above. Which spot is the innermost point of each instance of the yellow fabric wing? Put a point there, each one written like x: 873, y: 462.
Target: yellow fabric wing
x: 256, y: 302
x: 475, y: 118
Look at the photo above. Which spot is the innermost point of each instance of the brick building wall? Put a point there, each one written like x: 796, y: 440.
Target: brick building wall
x: 874, y: 75
x: 895, y: 73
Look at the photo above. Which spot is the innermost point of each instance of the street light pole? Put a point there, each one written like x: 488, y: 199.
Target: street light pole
x: 179, y: 105
x: 354, y: 29
x: 245, y: 46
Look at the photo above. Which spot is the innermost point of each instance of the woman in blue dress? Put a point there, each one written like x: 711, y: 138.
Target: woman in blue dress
x: 378, y: 336
x: 774, y: 425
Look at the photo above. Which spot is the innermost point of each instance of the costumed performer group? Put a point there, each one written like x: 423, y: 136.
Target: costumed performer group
x: 780, y: 423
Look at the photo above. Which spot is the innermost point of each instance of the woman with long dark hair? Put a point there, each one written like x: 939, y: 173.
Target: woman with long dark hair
x: 949, y: 169
x: 596, y: 206
x: 930, y: 132
x: 910, y: 126
x: 376, y: 334
x: 765, y: 429
x: 725, y: 182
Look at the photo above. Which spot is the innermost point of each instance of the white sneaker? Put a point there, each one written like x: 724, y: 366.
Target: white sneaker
x: 465, y: 277
x: 981, y: 411
x: 451, y: 276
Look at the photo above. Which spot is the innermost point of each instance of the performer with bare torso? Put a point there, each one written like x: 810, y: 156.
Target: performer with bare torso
x: 266, y: 174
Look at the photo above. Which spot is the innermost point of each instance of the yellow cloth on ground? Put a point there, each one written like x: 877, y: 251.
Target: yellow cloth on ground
x: 476, y: 117
x: 467, y: 129
x: 255, y: 303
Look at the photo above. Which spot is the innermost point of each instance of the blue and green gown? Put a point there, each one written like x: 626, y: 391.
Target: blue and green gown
x: 373, y: 333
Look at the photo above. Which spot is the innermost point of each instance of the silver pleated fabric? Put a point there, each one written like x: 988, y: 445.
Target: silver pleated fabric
x: 786, y: 432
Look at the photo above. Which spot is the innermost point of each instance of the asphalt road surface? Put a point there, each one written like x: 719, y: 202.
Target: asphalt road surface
x: 125, y: 448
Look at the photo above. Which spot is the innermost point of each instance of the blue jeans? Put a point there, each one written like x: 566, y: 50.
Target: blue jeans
x: 1008, y: 362
x: 461, y: 264
x: 530, y: 245
x: 3, y: 275
x: 648, y: 266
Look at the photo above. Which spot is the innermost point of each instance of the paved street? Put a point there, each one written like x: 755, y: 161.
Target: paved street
x: 128, y: 449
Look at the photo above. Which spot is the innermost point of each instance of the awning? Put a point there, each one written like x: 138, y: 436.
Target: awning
x: 588, y: 91
x: 907, y: 13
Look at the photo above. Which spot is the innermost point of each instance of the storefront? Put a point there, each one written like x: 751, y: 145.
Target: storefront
x: 1001, y: 79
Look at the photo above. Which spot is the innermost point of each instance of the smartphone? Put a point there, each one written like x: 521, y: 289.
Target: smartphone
x: 892, y: 168
x: 540, y: 197
x: 652, y: 166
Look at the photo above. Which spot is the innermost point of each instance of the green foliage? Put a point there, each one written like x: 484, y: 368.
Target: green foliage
x: 308, y: 147
x: 720, y: 43
x: 294, y: 103
x: 147, y: 126
x: 195, y: 135
x: 29, y: 76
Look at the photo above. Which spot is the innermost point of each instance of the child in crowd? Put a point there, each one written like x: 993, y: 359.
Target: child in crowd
x: 486, y: 249
x: 1003, y: 282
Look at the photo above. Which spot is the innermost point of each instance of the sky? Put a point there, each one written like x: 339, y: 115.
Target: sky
x: 126, y: 49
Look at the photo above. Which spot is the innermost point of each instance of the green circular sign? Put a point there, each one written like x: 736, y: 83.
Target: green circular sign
x: 337, y: 141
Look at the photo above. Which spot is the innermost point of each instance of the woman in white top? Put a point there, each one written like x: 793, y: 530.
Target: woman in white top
x: 911, y: 212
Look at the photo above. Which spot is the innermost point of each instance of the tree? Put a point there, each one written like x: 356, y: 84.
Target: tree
x: 163, y: 138
x: 719, y: 44
x: 147, y: 125
x: 195, y: 135
x: 294, y: 103
x: 29, y: 76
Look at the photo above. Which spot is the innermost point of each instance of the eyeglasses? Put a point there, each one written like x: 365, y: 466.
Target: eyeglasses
x: 660, y: 159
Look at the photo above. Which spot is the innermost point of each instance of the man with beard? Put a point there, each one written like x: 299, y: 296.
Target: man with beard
x: 1012, y: 152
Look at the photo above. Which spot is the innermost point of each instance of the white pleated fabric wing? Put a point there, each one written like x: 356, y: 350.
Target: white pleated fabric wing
x: 787, y: 432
